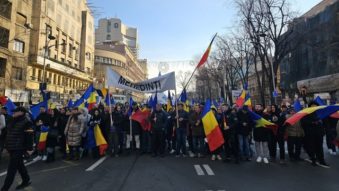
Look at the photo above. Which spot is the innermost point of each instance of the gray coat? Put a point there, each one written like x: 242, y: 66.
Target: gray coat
x: 73, y: 131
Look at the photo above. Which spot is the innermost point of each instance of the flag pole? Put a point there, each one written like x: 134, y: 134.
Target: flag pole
x: 130, y: 127
x: 202, y: 61
x: 176, y: 107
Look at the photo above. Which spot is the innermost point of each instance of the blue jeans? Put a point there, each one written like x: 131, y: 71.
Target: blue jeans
x: 198, y: 144
x: 181, y: 140
x: 244, y: 146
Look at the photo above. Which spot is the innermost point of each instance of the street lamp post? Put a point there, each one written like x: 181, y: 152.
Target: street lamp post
x: 48, y: 38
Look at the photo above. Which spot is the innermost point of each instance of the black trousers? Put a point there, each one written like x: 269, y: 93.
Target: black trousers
x: 314, y: 147
x: 158, y: 142
x: 330, y: 137
x: 16, y: 163
x: 294, y: 147
x: 2, y: 144
x: 272, y: 146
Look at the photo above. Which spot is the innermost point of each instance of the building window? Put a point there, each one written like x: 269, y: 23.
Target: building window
x: 50, y: 77
x: 69, y: 62
x: 62, y: 60
x: 39, y: 75
x: 54, y: 79
x: 70, y: 50
x: 88, y: 56
x: 5, y: 8
x: 33, y: 74
x: 116, y: 25
x: 108, y: 37
x: 17, y: 73
x: 4, y: 37
x: 56, y: 44
x: 63, y: 46
x: 109, y: 26
x: 3, y: 63
x: 19, y: 46
x: 59, y: 79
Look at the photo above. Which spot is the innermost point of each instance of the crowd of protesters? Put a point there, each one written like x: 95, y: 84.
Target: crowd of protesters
x: 172, y: 132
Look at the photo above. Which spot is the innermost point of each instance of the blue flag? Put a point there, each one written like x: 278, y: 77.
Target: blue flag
x: 107, y: 99
x: 183, y: 96
x: 10, y: 106
x: 297, y: 106
x: 319, y: 101
x: 131, y: 101
x: 35, y: 109
x: 70, y: 103
x: 150, y: 102
x: 155, y: 101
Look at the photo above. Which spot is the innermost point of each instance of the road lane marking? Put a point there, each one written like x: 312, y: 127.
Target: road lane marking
x: 96, y: 164
x: 208, y: 170
x: 199, y: 170
x: 26, y: 164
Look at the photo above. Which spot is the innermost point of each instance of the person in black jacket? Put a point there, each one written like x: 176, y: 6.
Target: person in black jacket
x: 158, y: 121
x: 181, y: 130
x: 245, y: 126
x: 3, y: 131
x: 19, y: 140
x: 278, y: 117
x: 313, y: 140
x: 62, y: 122
x: 52, y: 136
x: 118, y: 120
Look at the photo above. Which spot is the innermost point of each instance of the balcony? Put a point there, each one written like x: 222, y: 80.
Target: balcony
x: 62, y: 67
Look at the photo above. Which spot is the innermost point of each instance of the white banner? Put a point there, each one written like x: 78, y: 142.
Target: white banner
x: 158, y: 84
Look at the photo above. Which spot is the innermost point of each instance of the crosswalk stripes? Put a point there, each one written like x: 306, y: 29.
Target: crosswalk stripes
x: 200, y: 172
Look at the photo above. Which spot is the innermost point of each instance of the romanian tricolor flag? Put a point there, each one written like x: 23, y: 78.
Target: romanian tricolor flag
x: 213, y: 133
x: 169, y: 101
x: 92, y: 100
x: 248, y: 101
x: 43, y: 138
x: 261, y: 122
x: 241, y: 99
x: 206, y: 54
x: 100, y: 140
x: 321, y: 113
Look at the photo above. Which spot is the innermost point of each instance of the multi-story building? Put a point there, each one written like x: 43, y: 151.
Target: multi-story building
x: 121, y: 59
x: 61, y: 48
x: 15, y: 30
x: 113, y: 31
x: 312, y: 66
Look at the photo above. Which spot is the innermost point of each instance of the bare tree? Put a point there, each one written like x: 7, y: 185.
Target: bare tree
x: 266, y: 23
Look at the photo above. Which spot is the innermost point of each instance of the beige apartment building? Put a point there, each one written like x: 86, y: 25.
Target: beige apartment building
x: 112, y: 30
x: 121, y: 59
x: 15, y: 30
x: 61, y: 48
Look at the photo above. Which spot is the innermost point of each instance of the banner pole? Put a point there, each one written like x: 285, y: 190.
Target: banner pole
x: 176, y: 106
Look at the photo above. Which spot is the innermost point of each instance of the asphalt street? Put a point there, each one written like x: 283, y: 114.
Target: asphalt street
x: 144, y: 173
